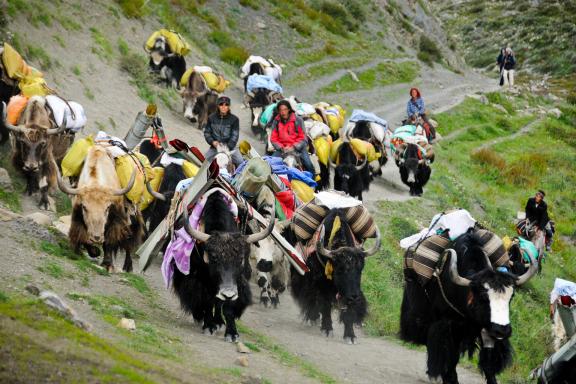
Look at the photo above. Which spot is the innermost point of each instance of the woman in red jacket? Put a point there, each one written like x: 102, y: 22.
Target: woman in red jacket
x: 288, y: 134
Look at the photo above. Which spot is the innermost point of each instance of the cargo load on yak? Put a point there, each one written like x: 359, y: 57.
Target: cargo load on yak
x: 410, y: 134
x: 333, y: 115
x: 213, y: 80
x: 424, y: 250
x: 262, y: 82
x: 378, y: 128
x: 308, y: 218
x: 177, y: 44
x: 362, y: 149
x: 261, y: 66
x: 72, y: 111
x: 15, y: 70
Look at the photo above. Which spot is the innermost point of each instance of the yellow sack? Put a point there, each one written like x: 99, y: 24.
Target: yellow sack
x: 322, y: 146
x: 302, y: 190
x: 124, y: 166
x: 364, y: 149
x: 334, y: 150
x: 15, y: 108
x: 316, y: 117
x: 34, y: 86
x: 334, y: 122
x: 507, y: 242
x: 174, y: 40
x: 148, y: 170
x: 72, y: 162
x: 190, y: 170
x: 15, y: 65
x: 186, y: 77
x: 147, y: 198
x: 215, y: 82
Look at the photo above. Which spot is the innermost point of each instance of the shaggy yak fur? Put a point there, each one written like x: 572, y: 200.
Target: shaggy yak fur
x: 414, y: 173
x: 171, y: 68
x: 35, y: 152
x: 198, y: 101
x: 347, y: 177
x: 427, y: 319
x: 362, y: 131
x: 8, y: 88
x: 227, y: 267
x: 316, y: 294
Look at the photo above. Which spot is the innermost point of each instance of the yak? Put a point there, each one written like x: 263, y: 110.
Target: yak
x: 199, y: 101
x: 169, y: 66
x: 101, y: 215
x: 349, y: 177
x: 414, y: 171
x: 216, y: 291
x: 38, y: 147
x: 159, y: 208
x: 466, y: 307
x: 334, y: 278
x: 362, y: 130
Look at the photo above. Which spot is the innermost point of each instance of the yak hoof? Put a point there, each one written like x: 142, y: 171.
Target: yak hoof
x: 264, y: 301
x: 232, y: 338
x: 350, y: 340
x: 208, y: 332
x: 328, y: 332
x: 275, y: 301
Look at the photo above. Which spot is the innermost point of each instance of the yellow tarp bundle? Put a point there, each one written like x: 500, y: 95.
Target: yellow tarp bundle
x: 147, y: 198
x: 72, y: 162
x: 302, y: 190
x: 322, y: 147
x: 15, y: 65
x: 361, y: 148
x: 190, y: 170
x: 214, y: 81
x: 175, y: 41
x: 124, y: 167
x: 34, y: 86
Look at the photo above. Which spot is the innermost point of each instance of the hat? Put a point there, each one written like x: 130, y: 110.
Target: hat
x: 541, y: 192
x: 223, y: 99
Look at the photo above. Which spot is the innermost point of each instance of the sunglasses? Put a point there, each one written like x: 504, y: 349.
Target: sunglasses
x: 226, y: 104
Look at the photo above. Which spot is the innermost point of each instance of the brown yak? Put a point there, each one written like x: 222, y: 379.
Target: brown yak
x: 101, y: 215
x: 36, y: 145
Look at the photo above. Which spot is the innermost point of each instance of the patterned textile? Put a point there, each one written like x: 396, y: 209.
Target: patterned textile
x: 493, y: 247
x: 423, y: 256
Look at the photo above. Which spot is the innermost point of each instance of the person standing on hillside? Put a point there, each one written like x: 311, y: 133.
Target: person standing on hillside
x: 288, y: 135
x: 415, y: 108
x: 507, y: 63
x: 223, y: 129
x: 537, y: 213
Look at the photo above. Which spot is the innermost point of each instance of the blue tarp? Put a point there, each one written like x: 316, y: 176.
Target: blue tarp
x: 361, y: 115
x: 262, y: 81
x: 279, y: 168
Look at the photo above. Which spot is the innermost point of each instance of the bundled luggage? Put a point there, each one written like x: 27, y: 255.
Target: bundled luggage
x: 177, y: 44
x: 214, y: 81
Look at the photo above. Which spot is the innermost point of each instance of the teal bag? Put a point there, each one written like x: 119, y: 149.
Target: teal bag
x: 266, y: 115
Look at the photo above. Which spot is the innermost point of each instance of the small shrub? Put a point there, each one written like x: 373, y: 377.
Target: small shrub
x: 428, y: 51
x: 123, y: 47
x: 300, y: 27
x: 330, y: 48
x: 103, y: 47
x: 234, y: 55
x: 488, y: 157
x: 39, y: 55
x: 571, y: 98
x: 76, y: 70
x: 250, y: 4
x: 499, y: 98
x: 504, y: 123
x: 220, y: 38
x: 133, y: 9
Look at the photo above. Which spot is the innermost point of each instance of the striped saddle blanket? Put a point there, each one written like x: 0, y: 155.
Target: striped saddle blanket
x: 423, y: 257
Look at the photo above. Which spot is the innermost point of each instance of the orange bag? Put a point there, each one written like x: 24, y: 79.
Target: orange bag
x: 15, y: 107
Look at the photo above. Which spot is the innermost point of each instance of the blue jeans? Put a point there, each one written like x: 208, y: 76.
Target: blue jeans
x: 304, y: 159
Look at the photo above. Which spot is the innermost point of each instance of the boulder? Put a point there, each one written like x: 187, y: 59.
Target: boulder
x: 261, y: 25
x: 40, y: 218
x: 242, y: 361
x: 242, y: 348
x: 128, y: 324
x: 555, y: 112
x: 6, y: 181
x: 7, y: 215
x: 55, y: 302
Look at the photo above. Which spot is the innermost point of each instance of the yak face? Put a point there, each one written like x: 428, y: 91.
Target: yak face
x: 34, y: 152
x: 226, y: 255
x: 347, y: 264
x: 261, y: 98
x: 158, y: 52
x: 489, y: 302
x: 93, y: 208
x: 410, y: 162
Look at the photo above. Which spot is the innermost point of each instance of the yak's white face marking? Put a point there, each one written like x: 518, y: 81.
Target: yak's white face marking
x: 257, y: 112
x: 411, y: 176
x: 499, y: 305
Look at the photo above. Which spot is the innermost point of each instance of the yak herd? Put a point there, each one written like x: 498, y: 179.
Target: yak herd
x: 467, y: 308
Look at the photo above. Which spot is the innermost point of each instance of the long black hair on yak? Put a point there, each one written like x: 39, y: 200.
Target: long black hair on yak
x: 225, y: 248
x: 427, y: 318
x: 316, y: 294
x: 422, y: 172
x: 158, y: 210
x: 346, y: 177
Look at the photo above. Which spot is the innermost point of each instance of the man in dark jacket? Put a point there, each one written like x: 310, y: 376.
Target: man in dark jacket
x: 288, y: 134
x: 223, y: 129
x: 537, y: 213
x: 507, y: 62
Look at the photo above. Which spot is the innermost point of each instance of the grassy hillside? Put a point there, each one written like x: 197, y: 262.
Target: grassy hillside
x: 493, y: 184
x: 542, y: 33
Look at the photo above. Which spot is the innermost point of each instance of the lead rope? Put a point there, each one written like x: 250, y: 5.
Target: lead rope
x: 437, y: 273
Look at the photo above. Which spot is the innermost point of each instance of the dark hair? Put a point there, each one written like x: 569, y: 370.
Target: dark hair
x: 285, y: 103
x: 541, y: 192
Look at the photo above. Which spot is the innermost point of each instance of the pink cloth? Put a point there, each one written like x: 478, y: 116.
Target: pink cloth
x: 180, y: 247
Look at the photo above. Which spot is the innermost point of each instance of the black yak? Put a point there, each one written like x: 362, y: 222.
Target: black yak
x: 414, y: 171
x: 465, y: 308
x: 216, y: 291
x: 349, y: 176
x: 362, y: 130
x: 334, y: 279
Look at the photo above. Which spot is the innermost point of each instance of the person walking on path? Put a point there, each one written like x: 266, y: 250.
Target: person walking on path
x: 507, y: 63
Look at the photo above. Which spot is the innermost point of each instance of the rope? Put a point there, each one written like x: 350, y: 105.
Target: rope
x: 437, y: 273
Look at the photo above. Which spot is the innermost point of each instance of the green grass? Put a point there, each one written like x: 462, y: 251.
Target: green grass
x: 250, y: 3
x: 138, y: 283
x: 262, y: 342
x: 234, y: 55
x: 381, y: 75
x: 39, y: 55
x: 103, y: 47
x: 493, y: 185
x: 428, y: 51
x: 325, y: 69
x: 133, y: 9
x: 55, y: 270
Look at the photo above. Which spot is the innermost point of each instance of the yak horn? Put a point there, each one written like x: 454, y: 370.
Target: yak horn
x: 454, y: 275
x: 64, y: 186
x: 156, y: 195
x: 253, y: 238
x: 488, y: 262
x: 529, y: 273
x: 376, y: 246
x: 361, y: 166
x: 126, y: 189
x: 320, y: 245
x: 333, y: 165
x: 59, y: 129
x: 194, y: 233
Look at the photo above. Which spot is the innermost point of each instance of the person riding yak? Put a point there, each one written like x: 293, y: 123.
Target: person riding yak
x: 288, y: 134
x: 223, y: 129
x: 415, y: 108
x: 537, y: 213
